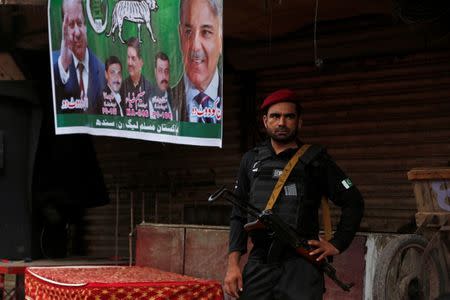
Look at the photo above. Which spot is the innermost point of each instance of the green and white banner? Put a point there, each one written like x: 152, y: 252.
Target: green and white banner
x: 142, y: 69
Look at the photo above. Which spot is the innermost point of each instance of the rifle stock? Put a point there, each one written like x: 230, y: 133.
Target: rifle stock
x: 267, y: 220
x: 254, y: 226
x: 257, y: 224
x: 305, y: 254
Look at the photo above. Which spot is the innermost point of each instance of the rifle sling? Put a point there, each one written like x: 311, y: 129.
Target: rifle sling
x: 326, y: 217
x: 284, y: 176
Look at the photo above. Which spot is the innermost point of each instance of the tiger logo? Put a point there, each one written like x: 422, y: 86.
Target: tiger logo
x: 136, y: 11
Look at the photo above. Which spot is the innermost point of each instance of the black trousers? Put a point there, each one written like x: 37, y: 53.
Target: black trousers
x: 291, y: 279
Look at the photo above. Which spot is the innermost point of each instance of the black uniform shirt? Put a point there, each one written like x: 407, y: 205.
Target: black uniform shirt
x: 323, y: 177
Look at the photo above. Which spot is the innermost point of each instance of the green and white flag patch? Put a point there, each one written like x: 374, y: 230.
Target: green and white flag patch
x: 347, y: 183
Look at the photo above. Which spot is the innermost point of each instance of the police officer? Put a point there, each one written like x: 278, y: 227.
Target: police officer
x: 273, y: 270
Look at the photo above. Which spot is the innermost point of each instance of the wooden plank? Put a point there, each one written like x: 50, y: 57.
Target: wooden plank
x: 429, y: 173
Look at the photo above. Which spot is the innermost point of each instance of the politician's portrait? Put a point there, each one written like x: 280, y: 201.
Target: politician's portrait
x: 198, y: 95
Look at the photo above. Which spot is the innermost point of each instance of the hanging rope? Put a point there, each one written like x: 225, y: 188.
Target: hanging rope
x: 317, y: 61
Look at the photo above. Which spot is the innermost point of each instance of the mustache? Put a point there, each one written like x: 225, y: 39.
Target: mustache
x: 199, y: 54
x: 116, y: 82
x: 164, y: 81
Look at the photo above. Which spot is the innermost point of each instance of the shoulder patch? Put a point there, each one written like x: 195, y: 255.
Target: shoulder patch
x: 347, y: 183
x: 277, y: 173
x: 255, y: 166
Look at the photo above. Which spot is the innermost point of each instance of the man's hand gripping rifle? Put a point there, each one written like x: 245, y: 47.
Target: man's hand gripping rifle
x: 282, y: 231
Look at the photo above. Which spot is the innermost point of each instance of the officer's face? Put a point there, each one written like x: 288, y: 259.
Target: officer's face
x: 282, y: 122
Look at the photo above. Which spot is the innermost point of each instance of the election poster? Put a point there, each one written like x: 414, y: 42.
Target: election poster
x: 140, y: 69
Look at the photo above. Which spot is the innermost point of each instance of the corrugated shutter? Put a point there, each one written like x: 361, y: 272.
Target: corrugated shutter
x: 169, y: 177
x: 379, y: 118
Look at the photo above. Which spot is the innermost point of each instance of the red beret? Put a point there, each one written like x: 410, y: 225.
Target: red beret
x: 283, y: 95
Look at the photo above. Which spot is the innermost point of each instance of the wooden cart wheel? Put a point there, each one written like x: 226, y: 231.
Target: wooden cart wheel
x: 397, y: 271
x: 434, y: 269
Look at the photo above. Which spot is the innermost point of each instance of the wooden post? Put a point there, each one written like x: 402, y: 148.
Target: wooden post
x: 116, y: 233
x: 130, y: 236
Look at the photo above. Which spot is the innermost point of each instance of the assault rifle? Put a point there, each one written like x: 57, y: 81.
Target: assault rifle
x: 282, y: 231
